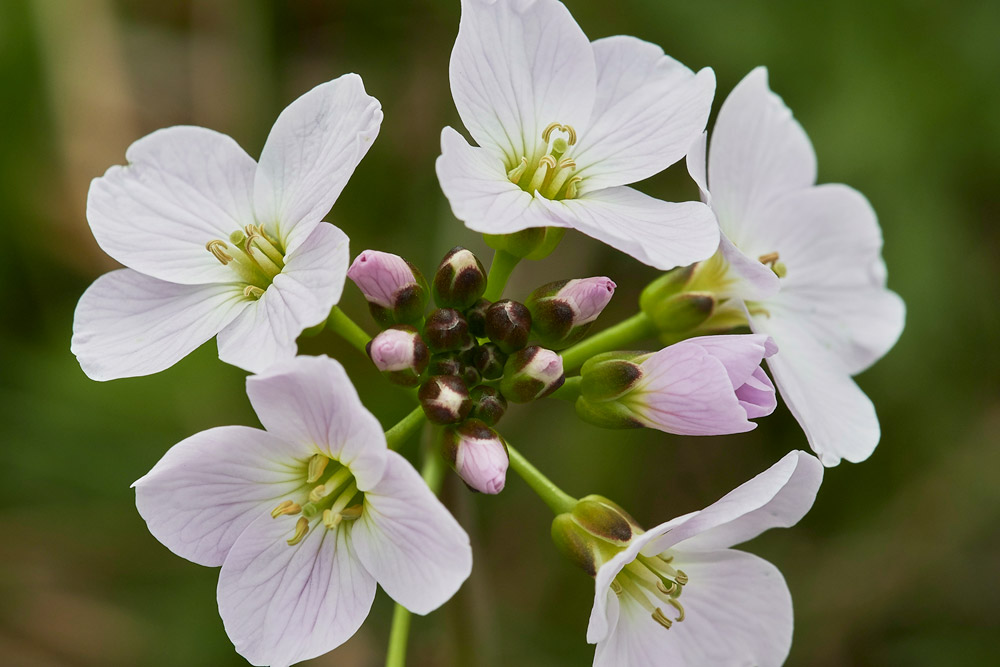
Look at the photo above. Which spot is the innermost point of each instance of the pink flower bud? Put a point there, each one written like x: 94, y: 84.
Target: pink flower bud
x: 531, y: 373
x: 380, y: 276
x: 478, y: 454
x: 400, y: 354
x: 587, y: 297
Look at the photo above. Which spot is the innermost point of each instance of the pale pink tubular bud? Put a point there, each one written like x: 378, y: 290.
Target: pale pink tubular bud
x: 587, y: 297
x: 478, y: 454
x: 395, y: 290
x: 563, y: 311
x: 400, y: 353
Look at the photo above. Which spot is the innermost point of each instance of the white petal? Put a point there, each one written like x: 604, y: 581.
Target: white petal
x: 129, y: 324
x: 409, y: 542
x: 776, y: 498
x: 649, y: 108
x: 661, y: 234
x: 282, y: 604
x: 516, y: 67
x: 749, y: 279
x: 757, y: 152
x: 208, y: 488
x: 738, y: 612
x: 697, y: 160
x: 260, y: 337
x: 311, y: 399
x: 311, y: 152
x: 476, y: 185
x: 183, y: 187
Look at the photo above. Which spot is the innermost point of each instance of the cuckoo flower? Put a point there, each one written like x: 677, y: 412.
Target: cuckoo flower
x: 807, y: 259
x: 678, y: 595
x: 304, y: 517
x: 216, y: 243
x: 711, y: 385
x: 564, y: 125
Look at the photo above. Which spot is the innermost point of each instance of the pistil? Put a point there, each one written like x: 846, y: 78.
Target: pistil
x: 553, y: 174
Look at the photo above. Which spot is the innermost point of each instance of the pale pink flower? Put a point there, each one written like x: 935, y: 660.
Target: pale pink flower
x: 381, y: 276
x: 587, y: 297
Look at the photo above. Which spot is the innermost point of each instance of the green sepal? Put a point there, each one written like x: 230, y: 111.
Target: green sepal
x: 606, y: 414
x: 532, y: 243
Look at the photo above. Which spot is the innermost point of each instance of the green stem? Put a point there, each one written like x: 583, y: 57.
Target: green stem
x: 569, y: 391
x: 500, y: 270
x: 345, y: 327
x: 404, y: 428
x: 619, y: 337
x: 557, y: 499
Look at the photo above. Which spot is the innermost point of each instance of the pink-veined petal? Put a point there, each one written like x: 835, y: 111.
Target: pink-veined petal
x: 741, y: 354
x: 208, y: 488
x: 649, y: 108
x: 516, y: 67
x: 183, y: 187
x: 311, y: 400
x: 476, y: 185
x: 283, y: 604
x: 130, y: 324
x: 758, y: 151
x: 776, y: 498
x: 662, y: 234
x: 260, y: 336
x: 310, y: 154
x: 409, y: 542
x: 738, y: 612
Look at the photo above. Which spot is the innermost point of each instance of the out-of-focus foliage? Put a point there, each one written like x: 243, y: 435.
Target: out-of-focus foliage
x: 897, y: 563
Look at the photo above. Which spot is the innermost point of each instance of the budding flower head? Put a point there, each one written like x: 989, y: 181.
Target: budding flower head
x: 508, y: 324
x: 460, y: 280
x: 488, y: 404
x: 395, y: 289
x: 446, y: 331
x: 478, y: 454
x: 445, y: 399
x: 563, y: 311
x: 400, y: 354
x: 531, y: 373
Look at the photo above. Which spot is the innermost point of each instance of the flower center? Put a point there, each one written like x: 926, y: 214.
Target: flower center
x: 253, y: 255
x: 654, y: 583
x: 331, y: 502
x: 771, y: 259
x: 552, y: 175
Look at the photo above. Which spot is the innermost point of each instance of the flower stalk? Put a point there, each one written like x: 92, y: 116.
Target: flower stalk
x: 619, y: 337
x: 558, y: 500
x: 500, y: 270
x: 341, y: 324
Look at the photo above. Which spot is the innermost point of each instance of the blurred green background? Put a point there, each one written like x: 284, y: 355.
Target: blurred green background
x: 898, y: 563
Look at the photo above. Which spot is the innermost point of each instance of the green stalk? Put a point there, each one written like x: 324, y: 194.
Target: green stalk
x: 404, y: 428
x: 500, y: 270
x: 558, y: 500
x: 619, y: 337
x: 345, y: 327
x: 569, y: 391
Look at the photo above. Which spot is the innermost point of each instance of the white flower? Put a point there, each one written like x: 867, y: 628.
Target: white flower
x: 304, y: 517
x: 829, y: 312
x: 219, y: 244
x: 678, y: 595
x: 564, y: 124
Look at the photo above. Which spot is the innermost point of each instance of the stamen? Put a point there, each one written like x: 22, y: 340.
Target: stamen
x: 568, y: 129
x: 318, y: 493
x: 667, y: 590
x: 661, y: 618
x: 331, y: 520
x: 353, y: 512
x: 616, y: 587
x: 544, y: 164
x: 218, y: 248
x: 571, y: 187
x: 261, y: 242
x: 317, y: 464
x: 515, y: 174
x: 547, y: 132
x: 301, y: 528
x: 253, y: 291
x: 681, y: 578
x: 679, y: 607
x: 769, y: 258
x: 564, y: 169
x: 286, y: 507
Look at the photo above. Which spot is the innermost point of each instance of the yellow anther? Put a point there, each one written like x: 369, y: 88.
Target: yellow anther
x: 666, y: 590
x: 544, y: 164
x: 572, y: 134
x: 568, y: 129
x: 332, y: 519
x: 515, y: 174
x: 681, y: 578
x: 616, y: 587
x: 661, y: 618
x: 301, y: 528
x: 218, y: 248
x: 769, y: 258
x: 351, y: 513
x: 253, y: 291
x: 547, y: 132
x: 318, y: 493
x: 679, y: 607
x: 317, y: 464
x: 286, y: 507
x: 571, y: 188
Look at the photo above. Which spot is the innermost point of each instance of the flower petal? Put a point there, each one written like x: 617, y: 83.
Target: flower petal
x: 409, y: 542
x: 649, y: 108
x: 311, y: 152
x: 749, y: 279
x: 741, y: 354
x: 661, y: 234
x: 738, y: 611
x: 481, y: 196
x: 208, y: 488
x: 183, y: 187
x: 757, y: 395
x: 129, y: 324
x: 260, y: 337
x: 516, y: 67
x: 282, y: 604
x: 776, y: 498
x: 311, y: 400
x: 758, y: 152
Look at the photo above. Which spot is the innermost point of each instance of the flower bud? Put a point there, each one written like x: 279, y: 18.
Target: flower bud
x: 593, y: 532
x: 446, y: 330
x: 446, y: 363
x: 531, y: 243
x: 562, y: 312
x: 531, y: 373
x: 508, y: 324
x: 460, y: 280
x: 488, y: 404
x: 395, y: 289
x: 400, y: 354
x: 478, y: 454
x: 445, y: 399
x: 476, y: 317
x: 489, y: 361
